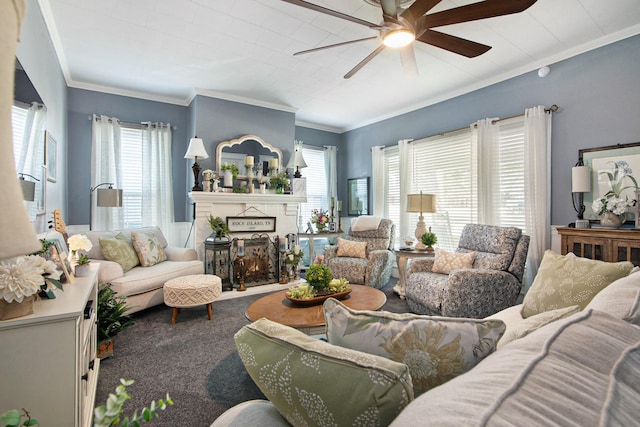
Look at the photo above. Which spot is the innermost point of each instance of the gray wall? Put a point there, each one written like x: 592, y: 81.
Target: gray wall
x: 37, y: 56
x: 599, y: 97
x: 84, y: 103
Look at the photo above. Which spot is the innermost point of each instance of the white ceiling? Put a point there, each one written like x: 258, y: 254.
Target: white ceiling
x: 242, y: 50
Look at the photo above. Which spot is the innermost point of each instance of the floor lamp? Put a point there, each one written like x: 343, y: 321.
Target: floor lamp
x: 106, y: 198
x: 423, y: 203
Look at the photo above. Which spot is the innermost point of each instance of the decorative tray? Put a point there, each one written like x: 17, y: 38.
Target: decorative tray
x: 318, y: 299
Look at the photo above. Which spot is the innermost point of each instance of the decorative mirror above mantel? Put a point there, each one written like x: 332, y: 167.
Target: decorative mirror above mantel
x: 236, y: 150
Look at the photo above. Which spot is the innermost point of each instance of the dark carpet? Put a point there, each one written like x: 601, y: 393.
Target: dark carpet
x: 195, y: 361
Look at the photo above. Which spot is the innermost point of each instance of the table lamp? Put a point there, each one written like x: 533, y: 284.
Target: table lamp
x: 422, y: 203
x: 580, y: 184
x: 196, y: 149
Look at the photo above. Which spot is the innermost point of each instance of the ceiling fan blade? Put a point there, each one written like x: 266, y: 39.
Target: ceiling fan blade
x: 453, y: 44
x: 331, y: 12
x: 364, y: 62
x: 408, y: 59
x: 419, y: 8
x: 475, y: 11
x: 315, y: 49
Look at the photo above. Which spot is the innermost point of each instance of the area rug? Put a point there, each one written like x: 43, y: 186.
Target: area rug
x: 195, y: 361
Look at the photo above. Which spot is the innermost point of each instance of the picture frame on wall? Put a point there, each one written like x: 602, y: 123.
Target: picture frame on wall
x: 51, y: 157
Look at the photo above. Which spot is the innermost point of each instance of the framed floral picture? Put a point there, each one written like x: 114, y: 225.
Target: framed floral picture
x: 615, y: 170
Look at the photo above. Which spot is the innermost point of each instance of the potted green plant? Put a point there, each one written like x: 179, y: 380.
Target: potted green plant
x: 318, y: 276
x: 229, y: 168
x: 82, y: 268
x: 429, y: 239
x: 111, y: 319
x: 278, y: 181
x: 218, y: 226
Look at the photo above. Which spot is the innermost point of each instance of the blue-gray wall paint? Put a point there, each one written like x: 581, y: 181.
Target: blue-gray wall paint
x: 84, y: 103
x: 599, y: 97
x: 37, y: 56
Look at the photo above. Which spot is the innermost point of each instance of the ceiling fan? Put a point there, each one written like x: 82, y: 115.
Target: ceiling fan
x: 400, y: 28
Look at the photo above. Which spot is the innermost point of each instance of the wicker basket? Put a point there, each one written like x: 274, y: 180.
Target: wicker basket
x: 11, y: 310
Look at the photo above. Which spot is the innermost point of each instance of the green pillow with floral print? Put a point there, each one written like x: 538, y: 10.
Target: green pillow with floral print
x: 120, y: 250
x: 436, y: 349
x: 148, y: 247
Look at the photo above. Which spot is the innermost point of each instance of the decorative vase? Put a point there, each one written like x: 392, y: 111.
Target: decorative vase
x: 320, y: 227
x: 263, y: 188
x: 11, y: 310
x: 280, y: 189
x: 82, y: 270
x: 609, y: 219
x: 228, y: 178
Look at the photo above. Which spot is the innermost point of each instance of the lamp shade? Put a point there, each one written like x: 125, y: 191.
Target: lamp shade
x: 28, y: 190
x: 296, y: 161
x: 421, y: 203
x: 580, y: 179
x: 109, y: 198
x: 196, y: 149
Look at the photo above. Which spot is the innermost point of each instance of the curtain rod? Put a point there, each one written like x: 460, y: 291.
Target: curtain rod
x: 133, y: 125
x: 27, y: 105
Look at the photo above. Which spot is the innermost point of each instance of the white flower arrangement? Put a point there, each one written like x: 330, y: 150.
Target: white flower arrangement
x: 79, y: 242
x: 612, y: 200
x: 24, y: 276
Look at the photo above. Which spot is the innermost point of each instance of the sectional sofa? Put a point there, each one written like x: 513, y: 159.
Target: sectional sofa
x: 573, y: 365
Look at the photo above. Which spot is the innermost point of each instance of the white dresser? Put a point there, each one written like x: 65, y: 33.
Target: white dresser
x: 48, y: 361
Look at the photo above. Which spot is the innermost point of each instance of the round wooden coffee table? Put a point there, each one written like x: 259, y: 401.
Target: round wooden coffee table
x: 310, y: 319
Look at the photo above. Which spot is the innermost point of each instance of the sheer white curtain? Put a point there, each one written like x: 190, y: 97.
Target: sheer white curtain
x: 157, y: 185
x: 30, y: 158
x: 331, y: 169
x: 105, y: 168
x: 537, y: 141
x: 377, y: 171
x: 406, y: 185
x: 487, y: 139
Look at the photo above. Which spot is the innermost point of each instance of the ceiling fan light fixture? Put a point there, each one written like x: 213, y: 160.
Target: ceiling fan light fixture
x: 398, y: 38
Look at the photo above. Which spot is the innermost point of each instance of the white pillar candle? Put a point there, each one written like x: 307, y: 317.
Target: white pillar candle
x: 333, y: 201
x: 273, y: 163
x: 240, y: 244
x: 339, y: 205
x: 248, y: 161
x: 283, y: 244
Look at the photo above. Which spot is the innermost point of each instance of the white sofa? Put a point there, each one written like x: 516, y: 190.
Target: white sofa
x: 142, y: 286
x: 580, y: 370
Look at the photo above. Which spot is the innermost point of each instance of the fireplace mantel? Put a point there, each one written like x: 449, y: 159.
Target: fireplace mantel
x: 282, y: 206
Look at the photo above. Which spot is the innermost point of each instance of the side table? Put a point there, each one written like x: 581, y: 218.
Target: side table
x: 323, y: 235
x: 402, y: 258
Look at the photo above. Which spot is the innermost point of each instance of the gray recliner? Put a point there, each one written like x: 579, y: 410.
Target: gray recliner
x: 493, y: 283
x: 375, y: 270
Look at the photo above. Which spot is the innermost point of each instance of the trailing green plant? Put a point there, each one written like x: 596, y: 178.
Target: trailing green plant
x: 110, y: 414
x: 232, y: 167
x: 13, y: 418
x: 318, y: 276
x: 279, y: 179
x: 83, y: 259
x: 111, y: 313
x: 429, y: 239
x: 218, y: 226
x: 46, y: 244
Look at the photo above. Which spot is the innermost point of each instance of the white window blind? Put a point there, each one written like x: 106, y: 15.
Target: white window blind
x: 316, y: 182
x: 18, y: 120
x: 131, y: 161
x: 447, y: 165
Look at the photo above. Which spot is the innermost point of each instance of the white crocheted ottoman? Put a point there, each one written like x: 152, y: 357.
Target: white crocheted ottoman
x: 191, y: 291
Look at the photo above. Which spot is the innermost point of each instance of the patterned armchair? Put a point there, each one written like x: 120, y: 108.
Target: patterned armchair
x: 493, y: 283
x: 375, y: 269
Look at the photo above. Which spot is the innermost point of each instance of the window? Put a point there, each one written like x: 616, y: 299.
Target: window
x: 315, y: 173
x: 131, y: 169
x: 447, y: 165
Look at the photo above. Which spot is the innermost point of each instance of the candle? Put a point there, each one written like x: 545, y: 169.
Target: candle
x: 339, y: 205
x: 248, y: 161
x: 283, y: 244
x: 273, y: 163
x: 240, y: 244
x: 296, y: 249
x: 333, y: 201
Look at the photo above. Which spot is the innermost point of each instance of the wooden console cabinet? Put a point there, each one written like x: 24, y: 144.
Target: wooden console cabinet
x: 603, y: 244
x: 48, y: 361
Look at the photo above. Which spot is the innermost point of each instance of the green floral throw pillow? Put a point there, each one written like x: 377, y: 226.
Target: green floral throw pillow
x: 566, y: 280
x: 119, y: 250
x: 314, y: 383
x: 148, y: 247
x: 436, y: 349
